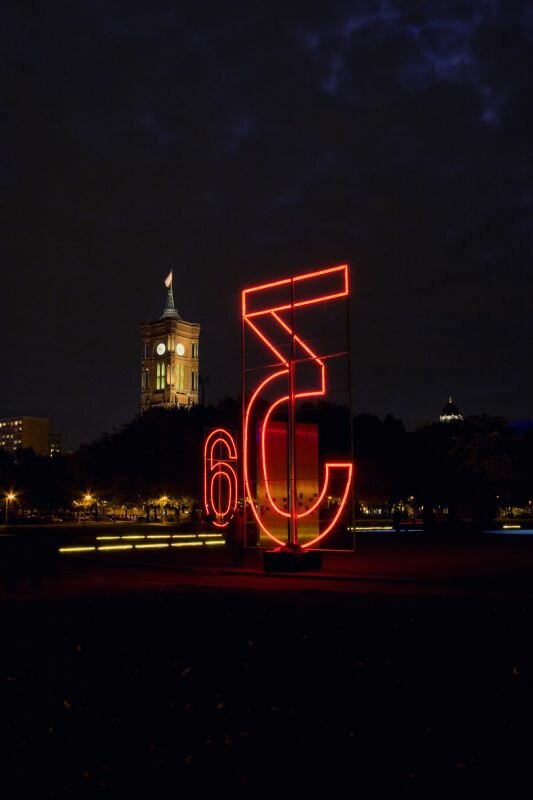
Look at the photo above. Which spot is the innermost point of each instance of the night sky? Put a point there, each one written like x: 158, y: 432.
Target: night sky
x: 239, y: 142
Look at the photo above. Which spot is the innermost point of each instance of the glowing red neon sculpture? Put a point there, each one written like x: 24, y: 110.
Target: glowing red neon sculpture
x: 257, y: 315
x: 220, y: 466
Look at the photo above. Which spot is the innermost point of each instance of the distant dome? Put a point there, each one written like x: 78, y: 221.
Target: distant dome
x: 450, y: 410
x: 450, y: 413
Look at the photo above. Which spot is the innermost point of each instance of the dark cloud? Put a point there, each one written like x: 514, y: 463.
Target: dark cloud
x: 237, y: 141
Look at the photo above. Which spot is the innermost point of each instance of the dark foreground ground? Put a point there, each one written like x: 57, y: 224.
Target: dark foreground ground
x: 136, y: 680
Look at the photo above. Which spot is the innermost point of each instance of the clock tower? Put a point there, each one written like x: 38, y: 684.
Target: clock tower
x: 170, y: 358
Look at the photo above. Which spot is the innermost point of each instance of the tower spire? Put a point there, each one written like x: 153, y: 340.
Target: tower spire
x: 170, y: 309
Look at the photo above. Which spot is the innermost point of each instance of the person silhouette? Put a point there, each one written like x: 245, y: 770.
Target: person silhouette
x: 235, y: 538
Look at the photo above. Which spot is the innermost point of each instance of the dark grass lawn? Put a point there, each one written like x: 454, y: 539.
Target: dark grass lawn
x: 197, y: 690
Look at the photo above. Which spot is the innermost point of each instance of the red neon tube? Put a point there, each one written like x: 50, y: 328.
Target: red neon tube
x: 273, y: 312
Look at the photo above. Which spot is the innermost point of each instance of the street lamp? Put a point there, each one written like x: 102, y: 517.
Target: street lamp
x: 9, y: 499
x: 88, y: 498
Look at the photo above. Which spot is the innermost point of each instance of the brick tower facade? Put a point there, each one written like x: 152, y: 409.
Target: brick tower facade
x: 170, y: 358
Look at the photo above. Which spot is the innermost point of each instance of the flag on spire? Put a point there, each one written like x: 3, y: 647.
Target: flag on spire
x: 170, y: 308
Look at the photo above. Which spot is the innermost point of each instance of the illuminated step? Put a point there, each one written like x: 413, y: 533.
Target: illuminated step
x: 152, y: 546
x: 115, y: 547
x: 215, y: 539
x: 187, y: 544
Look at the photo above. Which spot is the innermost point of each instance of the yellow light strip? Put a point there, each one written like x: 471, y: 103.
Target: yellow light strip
x: 101, y: 538
x: 360, y: 528
x: 212, y: 541
x: 115, y: 547
x: 184, y: 536
x: 150, y: 546
x: 513, y: 527
x: 187, y: 544
x: 76, y: 549
x: 209, y: 535
x: 158, y: 536
x: 133, y: 536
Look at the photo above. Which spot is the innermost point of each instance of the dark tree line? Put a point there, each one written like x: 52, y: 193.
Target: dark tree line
x: 472, y: 468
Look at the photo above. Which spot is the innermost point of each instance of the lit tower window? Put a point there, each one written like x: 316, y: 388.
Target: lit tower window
x: 160, y: 378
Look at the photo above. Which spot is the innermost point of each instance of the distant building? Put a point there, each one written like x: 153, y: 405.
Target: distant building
x: 170, y: 358
x: 21, y: 433
x: 54, y: 444
x: 450, y: 413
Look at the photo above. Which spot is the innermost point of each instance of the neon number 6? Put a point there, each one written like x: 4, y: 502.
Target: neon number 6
x: 220, y: 476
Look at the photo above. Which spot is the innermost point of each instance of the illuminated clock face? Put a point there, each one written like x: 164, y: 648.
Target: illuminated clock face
x: 180, y: 349
x: 160, y: 349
